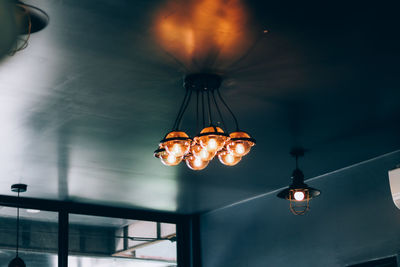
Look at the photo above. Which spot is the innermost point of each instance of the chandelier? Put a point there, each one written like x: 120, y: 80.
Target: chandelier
x: 298, y: 193
x: 213, y: 140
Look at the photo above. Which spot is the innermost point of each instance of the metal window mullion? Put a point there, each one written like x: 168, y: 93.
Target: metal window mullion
x: 63, y: 229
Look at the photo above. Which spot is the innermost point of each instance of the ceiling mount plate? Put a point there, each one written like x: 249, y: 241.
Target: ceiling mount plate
x: 19, y: 188
x: 202, y: 81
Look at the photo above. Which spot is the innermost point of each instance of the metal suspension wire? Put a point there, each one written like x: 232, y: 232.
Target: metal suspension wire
x: 184, y: 109
x: 210, y: 120
x: 228, y: 108
x: 197, y: 112
x: 219, y: 111
x: 203, y: 109
x: 174, y: 127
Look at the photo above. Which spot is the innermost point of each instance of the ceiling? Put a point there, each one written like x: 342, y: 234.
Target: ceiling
x: 354, y: 220
x: 85, y: 105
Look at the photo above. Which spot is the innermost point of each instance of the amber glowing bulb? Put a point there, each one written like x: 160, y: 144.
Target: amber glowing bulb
x: 228, y: 158
x: 169, y: 159
x: 176, y: 143
x: 240, y: 144
x: 196, y: 163
x: 212, y: 138
x: 212, y: 144
x: 202, y: 153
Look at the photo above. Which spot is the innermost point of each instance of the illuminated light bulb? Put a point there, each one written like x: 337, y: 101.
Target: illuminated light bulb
x: 205, y: 155
x: 240, y: 144
x: 176, y: 143
x: 176, y: 149
x: 200, y: 152
x: 240, y: 149
x: 299, y: 196
x: 167, y: 158
x: 212, y: 138
x: 228, y: 158
x: 196, y: 163
x: 212, y: 144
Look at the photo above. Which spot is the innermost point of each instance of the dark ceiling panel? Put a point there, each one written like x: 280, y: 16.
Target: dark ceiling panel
x: 353, y: 220
x: 85, y: 105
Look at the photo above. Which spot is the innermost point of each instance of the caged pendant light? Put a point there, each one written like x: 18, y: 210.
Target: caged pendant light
x: 213, y: 140
x: 298, y: 193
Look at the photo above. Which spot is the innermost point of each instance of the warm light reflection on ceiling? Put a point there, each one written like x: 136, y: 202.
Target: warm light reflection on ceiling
x: 206, y: 33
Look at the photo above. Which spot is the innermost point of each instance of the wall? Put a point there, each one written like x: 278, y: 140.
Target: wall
x: 353, y: 220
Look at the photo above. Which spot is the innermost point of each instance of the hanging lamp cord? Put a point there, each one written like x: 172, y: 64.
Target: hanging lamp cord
x: 175, y: 126
x: 178, y: 126
x: 197, y: 112
x: 219, y: 111
x: 210, y: 119
x: 228, y: 108
x: 203, y: 109
x: 18, y: 226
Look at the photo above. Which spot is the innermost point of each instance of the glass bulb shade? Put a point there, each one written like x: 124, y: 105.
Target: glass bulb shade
x: 228, y: 158
x: 200, y: 152
x: 239, y: 147
x: 196, y: 163
x: 169, y: 159
x: 212, y: 142
x: 176, y: 143
x: 178, y: 148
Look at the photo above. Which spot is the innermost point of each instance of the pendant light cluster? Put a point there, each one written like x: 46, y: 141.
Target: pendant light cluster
x: 17, y: 261
x: 298, y: 193
x: 212, y: 141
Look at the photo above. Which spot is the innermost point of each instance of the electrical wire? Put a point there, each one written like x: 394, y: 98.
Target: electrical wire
x: 203, y: 109
x: 184, y: 109
x: 210, y: 120
x: 18, y: 226
x: 197, y: 112
x: 219, y: 111
x: 175, y: 126
x: 230, y: 111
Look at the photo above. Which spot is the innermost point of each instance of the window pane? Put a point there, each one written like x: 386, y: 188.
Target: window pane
x: 101, y: 241
x: 38, y: 237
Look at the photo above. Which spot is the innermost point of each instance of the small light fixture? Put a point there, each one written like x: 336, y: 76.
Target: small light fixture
x: 29, y: 19
x: 298, y: 193
x: 213, y: 140
x: 17, y: 261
